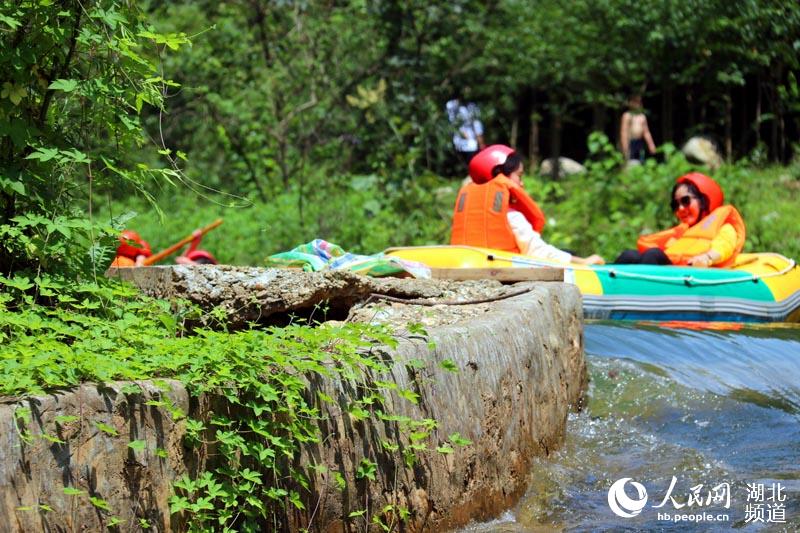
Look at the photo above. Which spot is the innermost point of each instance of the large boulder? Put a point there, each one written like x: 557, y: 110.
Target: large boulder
x: 702, y: 150
x: 566, y: 167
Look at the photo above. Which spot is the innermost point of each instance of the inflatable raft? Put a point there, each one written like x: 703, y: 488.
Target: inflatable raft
x: 760, y: 287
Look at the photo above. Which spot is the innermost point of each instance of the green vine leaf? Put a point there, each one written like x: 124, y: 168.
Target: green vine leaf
x: 64, y: 85
x: 449, y: 365
x: 100, y: 503
x: 105, y: 428
x: 137, y: 445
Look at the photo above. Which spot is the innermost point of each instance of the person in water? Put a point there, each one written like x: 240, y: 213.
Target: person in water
x: 634, y: 133
x: 494, y: 211
x: 709, y: 233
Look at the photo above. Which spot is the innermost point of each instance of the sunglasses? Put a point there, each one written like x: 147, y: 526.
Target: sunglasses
x: 683, y: 201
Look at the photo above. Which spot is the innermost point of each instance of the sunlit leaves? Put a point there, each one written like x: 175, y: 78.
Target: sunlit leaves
x: 64, y: 85
x: 137, y: 445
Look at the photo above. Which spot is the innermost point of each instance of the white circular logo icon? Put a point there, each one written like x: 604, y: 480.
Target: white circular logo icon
x: 621, y: 504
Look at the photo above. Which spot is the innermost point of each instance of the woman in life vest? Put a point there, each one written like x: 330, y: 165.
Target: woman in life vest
x: 709, y: 233
x: 494, y: 211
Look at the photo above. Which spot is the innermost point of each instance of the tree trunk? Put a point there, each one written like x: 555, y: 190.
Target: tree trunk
x: 728, y: 126
x: 744, y: 125
x: 555, y: 142
x: 282, y: 163
x: 514, y: 132
x: 758, y: 110
x: 533, y: 142
x: 782, y: 128
x: 704, y: 115
x: 300, y: 197
x: 599, y: 118
x: 777, y: 112
x: 773, y: 104
x: 667, y: 133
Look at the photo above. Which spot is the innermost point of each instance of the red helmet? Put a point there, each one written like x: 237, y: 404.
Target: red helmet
x: 202, y: 257
x: 131, y: 245
x: 707, y: 187
x: 480, y: 167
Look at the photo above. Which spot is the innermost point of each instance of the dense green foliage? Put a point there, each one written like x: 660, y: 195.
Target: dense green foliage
x: 274, y: 93
x: 314, y: 114
x: 74, y: 80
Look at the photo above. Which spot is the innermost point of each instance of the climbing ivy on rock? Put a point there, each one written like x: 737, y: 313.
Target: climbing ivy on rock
x: 265, y: 385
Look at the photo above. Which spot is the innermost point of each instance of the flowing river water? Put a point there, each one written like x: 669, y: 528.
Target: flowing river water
x: 717, y: 411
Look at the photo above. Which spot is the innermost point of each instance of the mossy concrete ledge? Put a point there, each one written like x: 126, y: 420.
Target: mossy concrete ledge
x: 520, y: 370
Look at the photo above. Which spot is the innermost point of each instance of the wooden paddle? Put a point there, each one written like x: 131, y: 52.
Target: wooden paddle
x: 166, y: 252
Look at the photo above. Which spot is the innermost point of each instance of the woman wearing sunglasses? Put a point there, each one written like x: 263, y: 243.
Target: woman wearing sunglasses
x: 709, y: 233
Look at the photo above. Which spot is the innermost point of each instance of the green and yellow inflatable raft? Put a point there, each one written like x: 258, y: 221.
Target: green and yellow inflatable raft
x: 760, y: 287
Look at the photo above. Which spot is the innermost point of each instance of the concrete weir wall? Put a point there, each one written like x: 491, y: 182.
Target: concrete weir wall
x: 521, y: 369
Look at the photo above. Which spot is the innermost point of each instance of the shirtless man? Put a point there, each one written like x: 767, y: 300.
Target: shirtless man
x: 634, y: 132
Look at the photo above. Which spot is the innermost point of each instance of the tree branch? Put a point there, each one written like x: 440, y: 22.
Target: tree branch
x: 62, y: 71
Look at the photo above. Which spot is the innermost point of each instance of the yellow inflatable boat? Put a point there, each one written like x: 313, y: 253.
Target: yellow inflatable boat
x: 760, y: 287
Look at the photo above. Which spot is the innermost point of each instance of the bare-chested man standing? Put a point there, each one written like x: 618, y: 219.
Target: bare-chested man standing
x: 634, y: 134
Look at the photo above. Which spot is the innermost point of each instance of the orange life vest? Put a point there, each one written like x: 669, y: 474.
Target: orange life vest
x: 683, y: 242
x: 122, y: 261
x: 480, y: 214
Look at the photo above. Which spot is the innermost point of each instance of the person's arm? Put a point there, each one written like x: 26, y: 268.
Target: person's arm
x: 197, y: 236
x: 530, y: 242
x: 593, y: 259
x: 477, y: 127
x: 722, y: 247
x: 522, y: 202
x: 624, y: 134
x: 651, y: 146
